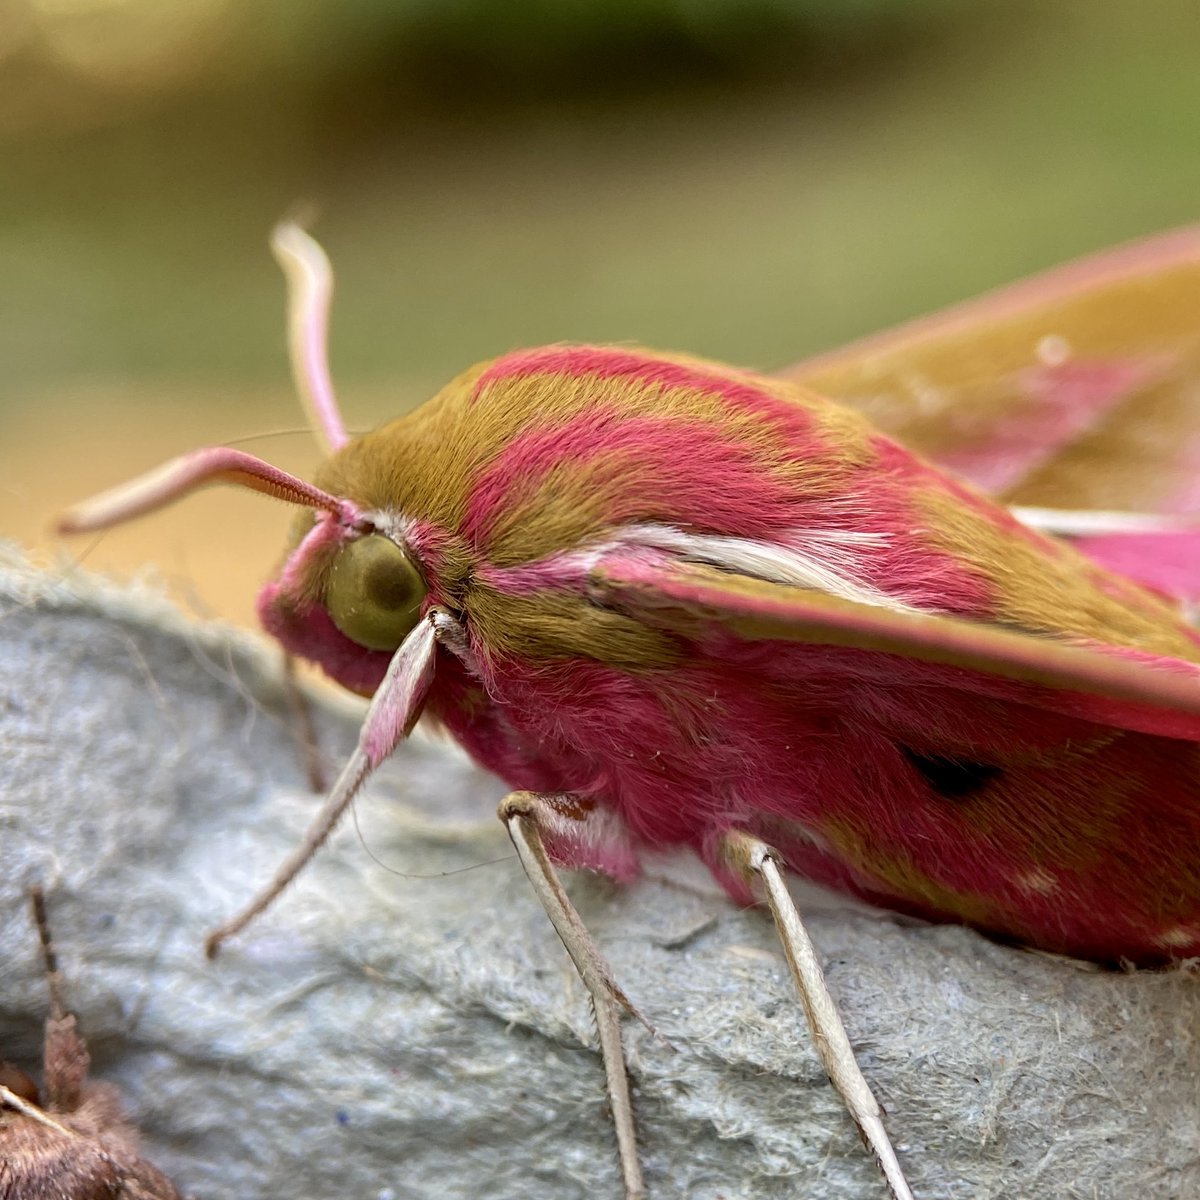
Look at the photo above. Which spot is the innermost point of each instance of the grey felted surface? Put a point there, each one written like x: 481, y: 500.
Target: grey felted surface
x: 378, y: 1036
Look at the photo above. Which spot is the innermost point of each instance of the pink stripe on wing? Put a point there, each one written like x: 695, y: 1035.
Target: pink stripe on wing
x: 1064, y: 402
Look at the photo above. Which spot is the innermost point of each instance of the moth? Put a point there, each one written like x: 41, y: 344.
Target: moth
x: 674, y: 603
x: 71, y: 1140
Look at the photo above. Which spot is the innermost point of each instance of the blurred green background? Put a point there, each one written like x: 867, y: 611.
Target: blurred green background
x: 752, y: 180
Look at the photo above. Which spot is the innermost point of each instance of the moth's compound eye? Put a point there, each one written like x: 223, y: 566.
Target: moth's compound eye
x: 374, y: 592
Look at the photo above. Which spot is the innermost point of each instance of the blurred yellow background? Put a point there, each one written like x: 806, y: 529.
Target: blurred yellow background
x: 752, y: 180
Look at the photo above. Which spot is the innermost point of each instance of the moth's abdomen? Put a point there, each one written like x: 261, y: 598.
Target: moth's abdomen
x: 1088, y: 848
x: 1037, y: 827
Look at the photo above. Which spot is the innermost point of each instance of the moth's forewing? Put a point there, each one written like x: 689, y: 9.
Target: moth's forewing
x: 1078, y: 388
x: 1111, y: 686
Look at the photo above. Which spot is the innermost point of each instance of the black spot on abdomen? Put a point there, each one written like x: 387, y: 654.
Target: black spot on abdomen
x: 953, y: 778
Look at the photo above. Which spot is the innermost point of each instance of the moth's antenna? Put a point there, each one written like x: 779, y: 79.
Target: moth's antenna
x: 216, y: 464
x: 310, y: 289
x: 54, y: 980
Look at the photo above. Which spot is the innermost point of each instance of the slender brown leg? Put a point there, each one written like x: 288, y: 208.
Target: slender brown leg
x: 756, y: 860
x: 65, y: 1057
x: 526, y: 815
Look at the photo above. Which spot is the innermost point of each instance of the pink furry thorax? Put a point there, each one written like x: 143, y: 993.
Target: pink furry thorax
x: 930, y: 789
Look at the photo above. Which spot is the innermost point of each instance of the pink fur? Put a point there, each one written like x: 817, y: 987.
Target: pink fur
x: 751, y: 734
x: 686, y: 474
x: 1164, y: 699
x: 308, y: 632
x: 689, y: 475
x: 738, y: 389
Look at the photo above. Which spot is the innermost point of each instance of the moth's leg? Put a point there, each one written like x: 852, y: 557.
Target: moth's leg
x: 528, y: 817
x: 65, y: 1057
x: 10, y: 1099
x: 392, y: 711
x: 758, y: 861
x: 303, y: 728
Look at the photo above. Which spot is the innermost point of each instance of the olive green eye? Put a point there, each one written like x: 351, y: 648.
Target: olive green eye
x: 374, y: 592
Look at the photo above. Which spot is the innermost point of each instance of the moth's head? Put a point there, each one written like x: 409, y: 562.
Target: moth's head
x: 348, y: 595
x: 349, y: 590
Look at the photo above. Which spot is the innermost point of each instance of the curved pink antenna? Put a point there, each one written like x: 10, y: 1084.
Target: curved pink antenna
x: 310, y: 288
x: 174, y: 479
